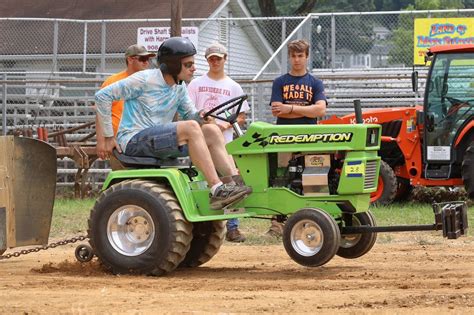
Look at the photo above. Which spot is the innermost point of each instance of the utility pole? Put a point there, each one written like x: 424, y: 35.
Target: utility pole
x: 176, y: 16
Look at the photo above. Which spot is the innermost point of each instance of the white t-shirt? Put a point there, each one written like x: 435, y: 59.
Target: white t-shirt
x: 207, y: 93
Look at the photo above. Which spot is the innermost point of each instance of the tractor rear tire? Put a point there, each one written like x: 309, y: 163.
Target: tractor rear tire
x: 468, y: 171
x: 386, y: 188
x: 356, y: 245
x: 207, y: 240
x: 311, y: 237
x: 138, y: 227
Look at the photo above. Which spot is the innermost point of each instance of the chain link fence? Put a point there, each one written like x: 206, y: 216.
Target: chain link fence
x: 51, y: 68
x: 338, y: 40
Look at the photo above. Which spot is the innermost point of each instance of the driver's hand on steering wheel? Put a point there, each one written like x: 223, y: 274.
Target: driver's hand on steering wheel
x: 207, y: 120
x: 224, y: 126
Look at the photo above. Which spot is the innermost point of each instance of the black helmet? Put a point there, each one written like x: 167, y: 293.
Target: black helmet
x: 171, y: 52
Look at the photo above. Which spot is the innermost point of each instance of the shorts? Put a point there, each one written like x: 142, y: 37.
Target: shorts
x: 159, y: 141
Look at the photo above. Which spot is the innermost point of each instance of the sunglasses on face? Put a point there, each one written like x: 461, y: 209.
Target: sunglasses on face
x: 142, y: 58
x: 188, y: 65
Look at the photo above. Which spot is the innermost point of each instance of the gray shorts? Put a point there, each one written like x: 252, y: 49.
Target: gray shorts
x: 159, y: 141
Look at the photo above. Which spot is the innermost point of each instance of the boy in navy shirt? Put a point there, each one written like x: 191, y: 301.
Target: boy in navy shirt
x: 297, y: 98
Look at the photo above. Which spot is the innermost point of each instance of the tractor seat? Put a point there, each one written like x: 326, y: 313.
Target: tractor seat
x: 151, y: 162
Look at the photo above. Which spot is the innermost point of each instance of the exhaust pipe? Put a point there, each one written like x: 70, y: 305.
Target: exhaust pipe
x: 358, y: 112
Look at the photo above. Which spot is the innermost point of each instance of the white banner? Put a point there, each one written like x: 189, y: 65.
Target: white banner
x: 152, y: 37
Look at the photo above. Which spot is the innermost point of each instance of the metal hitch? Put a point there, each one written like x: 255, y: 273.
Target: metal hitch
x: 451, y: 217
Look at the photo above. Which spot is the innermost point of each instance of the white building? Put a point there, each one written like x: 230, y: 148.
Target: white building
x: 86, y: 36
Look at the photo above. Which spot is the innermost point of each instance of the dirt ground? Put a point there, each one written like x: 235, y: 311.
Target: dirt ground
x: 405, y: 275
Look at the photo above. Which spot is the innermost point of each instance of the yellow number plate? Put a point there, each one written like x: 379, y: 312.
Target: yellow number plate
x: 355, y: 169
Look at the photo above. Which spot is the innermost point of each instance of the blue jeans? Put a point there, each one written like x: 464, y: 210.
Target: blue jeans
x: 232, y: 224
x: 160, y: 141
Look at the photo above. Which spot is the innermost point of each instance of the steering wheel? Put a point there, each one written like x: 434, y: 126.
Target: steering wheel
x: 453, y: 100
x: 454, y: 109
x: 221, y: 108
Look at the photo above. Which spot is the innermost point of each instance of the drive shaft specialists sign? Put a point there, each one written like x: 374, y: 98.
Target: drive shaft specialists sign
x: 440, y: 31
x: 152, y: 37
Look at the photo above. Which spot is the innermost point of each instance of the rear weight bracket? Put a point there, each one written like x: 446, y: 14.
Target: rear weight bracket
x: 450, y: 217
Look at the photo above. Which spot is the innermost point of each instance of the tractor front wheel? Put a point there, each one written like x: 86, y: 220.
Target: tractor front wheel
x: 138, y: 226
x: 311, y: 237
x: 356, y: 245
x: 468, y: 170
x: 387, y: 186
x: 207, y: 239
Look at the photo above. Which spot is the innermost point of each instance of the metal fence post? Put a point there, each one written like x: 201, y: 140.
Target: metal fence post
x: 228, y: 26
x: 4, y: 101
x: 260, y: 113
x: 284, y: 52
x: 84, y: 56
x: 252, y: 101
x: 333, y: 41
x: 55, y: 45
x: 307, y: 35
x: 103, y: 38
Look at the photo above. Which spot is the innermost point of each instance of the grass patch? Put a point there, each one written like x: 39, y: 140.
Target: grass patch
x: 70, y: 218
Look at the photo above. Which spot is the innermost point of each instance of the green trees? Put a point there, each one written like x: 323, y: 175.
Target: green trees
x: 402, y: 49
x: 302, y: 7
x: 356, y: 33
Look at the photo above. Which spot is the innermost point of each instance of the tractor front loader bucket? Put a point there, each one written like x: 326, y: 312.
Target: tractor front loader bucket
x: 27, y: 189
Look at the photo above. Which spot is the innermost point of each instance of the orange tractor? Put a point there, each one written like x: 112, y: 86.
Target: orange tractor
x: 433, y: 144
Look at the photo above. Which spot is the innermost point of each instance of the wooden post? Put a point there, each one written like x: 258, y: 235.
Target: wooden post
x: 176, y: 15
x: 6, y: 190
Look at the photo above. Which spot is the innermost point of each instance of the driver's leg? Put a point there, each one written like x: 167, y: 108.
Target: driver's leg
x: 189, y: 132
x: 215, y: 142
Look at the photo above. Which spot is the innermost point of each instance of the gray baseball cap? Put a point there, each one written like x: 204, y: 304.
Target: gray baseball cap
x: 138, y: 50
x: 215, y: 49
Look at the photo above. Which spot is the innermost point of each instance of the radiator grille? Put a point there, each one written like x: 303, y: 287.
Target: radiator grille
x: 370, y: 174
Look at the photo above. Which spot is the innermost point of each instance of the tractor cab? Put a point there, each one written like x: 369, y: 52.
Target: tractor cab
x: 448, y: 110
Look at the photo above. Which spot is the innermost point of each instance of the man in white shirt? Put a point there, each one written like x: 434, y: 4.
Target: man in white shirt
x: 210, y: 90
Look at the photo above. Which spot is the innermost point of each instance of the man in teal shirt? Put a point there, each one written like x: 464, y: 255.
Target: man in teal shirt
x: 152, y: 98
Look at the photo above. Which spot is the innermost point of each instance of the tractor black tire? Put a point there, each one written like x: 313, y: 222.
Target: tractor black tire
x: 138, y: 227
x: 311, y: 237
x: 356, y: 245
x: 387, y: 186
x: 404, y: 190
x: 468, y: 170
x: 207, y: 240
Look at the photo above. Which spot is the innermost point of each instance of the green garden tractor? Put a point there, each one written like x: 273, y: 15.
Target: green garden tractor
x: 155, y: 216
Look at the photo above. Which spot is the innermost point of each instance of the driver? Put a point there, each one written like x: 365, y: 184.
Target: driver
x: 152, y: 98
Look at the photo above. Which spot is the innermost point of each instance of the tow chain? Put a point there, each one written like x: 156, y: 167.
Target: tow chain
x: 37, y: 249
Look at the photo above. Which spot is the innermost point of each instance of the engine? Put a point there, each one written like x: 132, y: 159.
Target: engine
x: 305, y: 174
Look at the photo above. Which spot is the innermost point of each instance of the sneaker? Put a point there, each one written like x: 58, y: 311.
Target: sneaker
x: 227, y: 194
x: 238, y: 180
x: 276, y: 229
x: 234, y: 236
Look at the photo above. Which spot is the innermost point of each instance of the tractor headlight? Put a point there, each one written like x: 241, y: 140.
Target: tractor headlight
x: 372, y: 137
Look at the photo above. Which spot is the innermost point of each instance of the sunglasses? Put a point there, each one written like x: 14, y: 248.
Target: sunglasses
x: 142, y: 58
x: 189, y: 64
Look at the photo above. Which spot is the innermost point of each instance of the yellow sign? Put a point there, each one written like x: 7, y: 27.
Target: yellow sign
x: 440, y: 31
x: 355, y: 169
